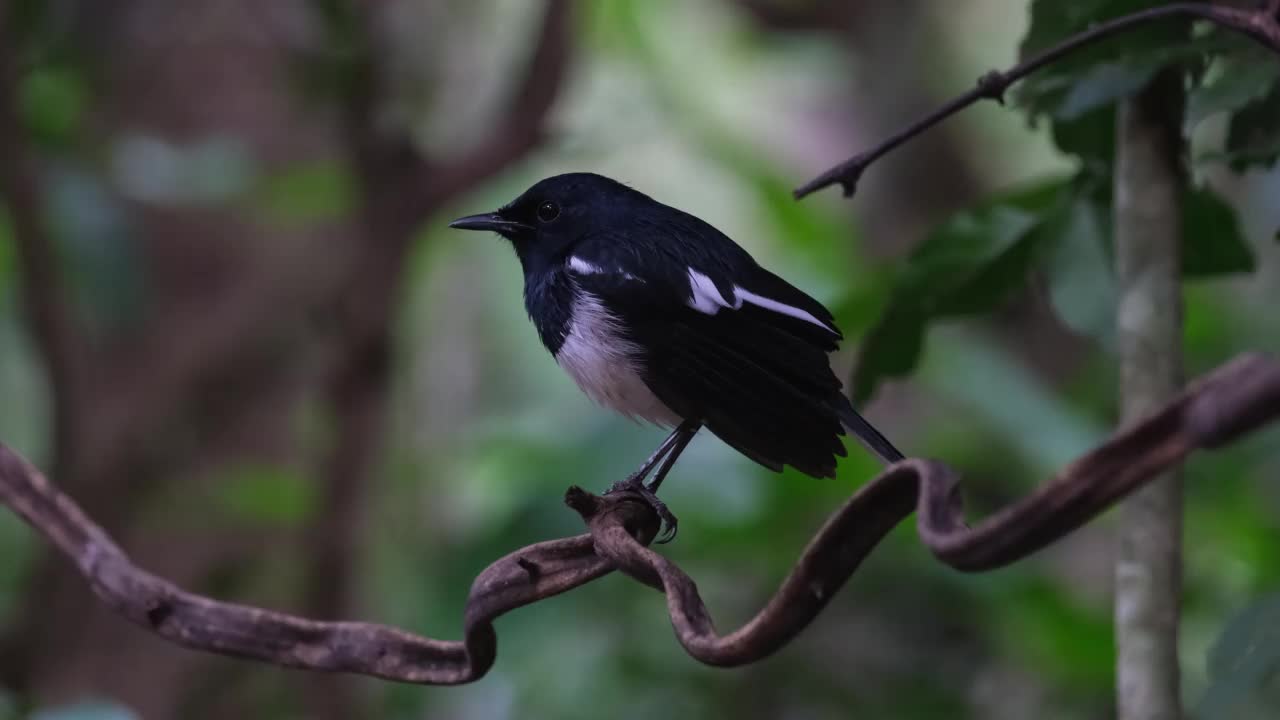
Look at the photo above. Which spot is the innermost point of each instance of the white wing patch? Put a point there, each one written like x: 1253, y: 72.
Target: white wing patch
x: 774, y: 305
x: 707, y: 299
x: 706, y: 296
x: 586, y: 267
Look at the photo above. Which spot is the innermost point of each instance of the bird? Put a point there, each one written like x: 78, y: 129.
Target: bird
x: 661, y: 317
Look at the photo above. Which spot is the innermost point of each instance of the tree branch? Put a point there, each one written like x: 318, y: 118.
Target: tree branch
x: 1234, y: 400
x: 1262, y: 25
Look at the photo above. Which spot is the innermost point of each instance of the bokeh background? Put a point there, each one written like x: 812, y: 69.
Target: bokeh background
x: 286, y: 382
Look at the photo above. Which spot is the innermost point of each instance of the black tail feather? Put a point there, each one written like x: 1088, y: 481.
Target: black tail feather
x: 867, y: 434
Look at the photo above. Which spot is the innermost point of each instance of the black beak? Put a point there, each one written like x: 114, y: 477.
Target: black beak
x: 488, y: 221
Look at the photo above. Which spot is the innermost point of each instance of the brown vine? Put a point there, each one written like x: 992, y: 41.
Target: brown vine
x: 1234, y: 400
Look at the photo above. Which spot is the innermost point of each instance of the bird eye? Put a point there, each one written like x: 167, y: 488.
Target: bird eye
x: 548, y: 211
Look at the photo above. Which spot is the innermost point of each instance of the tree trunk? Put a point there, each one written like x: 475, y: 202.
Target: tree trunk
x: 1149, y: 184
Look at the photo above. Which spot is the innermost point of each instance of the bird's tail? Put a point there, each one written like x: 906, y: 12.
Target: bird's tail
x: 866, y: 433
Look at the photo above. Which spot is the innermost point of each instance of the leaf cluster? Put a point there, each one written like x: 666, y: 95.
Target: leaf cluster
x: 1058, y: 231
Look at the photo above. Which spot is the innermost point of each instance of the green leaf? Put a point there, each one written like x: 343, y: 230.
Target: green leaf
x: 1053, y: 21
x: 1141, y: 50
x: 52, y: 101
x: 1235, y: 82
x: 1253, y: 135
x: 1104, y: 84
x: 1091, y: 137
x: 1077, y: 93
x: 1079, y: 268
x: 267, y: 494
x: 1244, y: 663
x: 1213, y: 243
x: 1079, y: 271
x: 958, y: 252
x: 891, y: 349
x: 978, y: 258
x: 967, y: 266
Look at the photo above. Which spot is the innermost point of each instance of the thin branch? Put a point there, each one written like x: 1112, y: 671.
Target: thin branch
x: 1262, y: 25
x: 1234, y: 400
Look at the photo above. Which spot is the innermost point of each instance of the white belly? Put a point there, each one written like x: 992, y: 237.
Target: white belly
x: 605, y: 365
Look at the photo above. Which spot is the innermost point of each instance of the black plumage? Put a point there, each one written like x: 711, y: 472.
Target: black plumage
x: 659, y: 315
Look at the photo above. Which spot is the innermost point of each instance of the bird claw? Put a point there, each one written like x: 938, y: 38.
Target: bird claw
x: 670, y: 524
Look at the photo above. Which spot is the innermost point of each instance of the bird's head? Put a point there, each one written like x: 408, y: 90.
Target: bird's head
x: 548, y: 218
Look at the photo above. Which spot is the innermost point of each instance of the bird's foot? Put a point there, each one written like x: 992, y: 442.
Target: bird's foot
x: 636, y: 485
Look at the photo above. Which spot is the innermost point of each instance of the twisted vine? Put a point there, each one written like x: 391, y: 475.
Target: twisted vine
x: 1234, y: 400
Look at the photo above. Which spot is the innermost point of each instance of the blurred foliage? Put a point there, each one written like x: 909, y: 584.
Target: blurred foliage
x: 1244, y: 664
x: 710, y: 111
x: 970, y: 265
x: 52, y: 103
x: 85, y: 711
x: 267, y: 494
x: 8, y: 254
x: 341, y: 65
x: 305, y: 195
x: 1061, y: 230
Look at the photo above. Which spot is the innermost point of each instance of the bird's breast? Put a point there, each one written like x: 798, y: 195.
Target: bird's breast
x: 606, y: 365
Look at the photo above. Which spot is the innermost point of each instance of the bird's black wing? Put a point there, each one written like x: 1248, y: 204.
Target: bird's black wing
x: 736, y: 347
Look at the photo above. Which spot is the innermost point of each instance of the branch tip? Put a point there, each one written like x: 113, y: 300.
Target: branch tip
x: 584, y: 503
x: 529, y: 567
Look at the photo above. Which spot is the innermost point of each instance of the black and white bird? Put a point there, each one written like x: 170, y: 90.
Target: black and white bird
x: 661, y: 317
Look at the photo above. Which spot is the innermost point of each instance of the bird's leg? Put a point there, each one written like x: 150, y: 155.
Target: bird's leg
x: 647, y: 466
x: 686, y: 431
x: 666, y: 455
